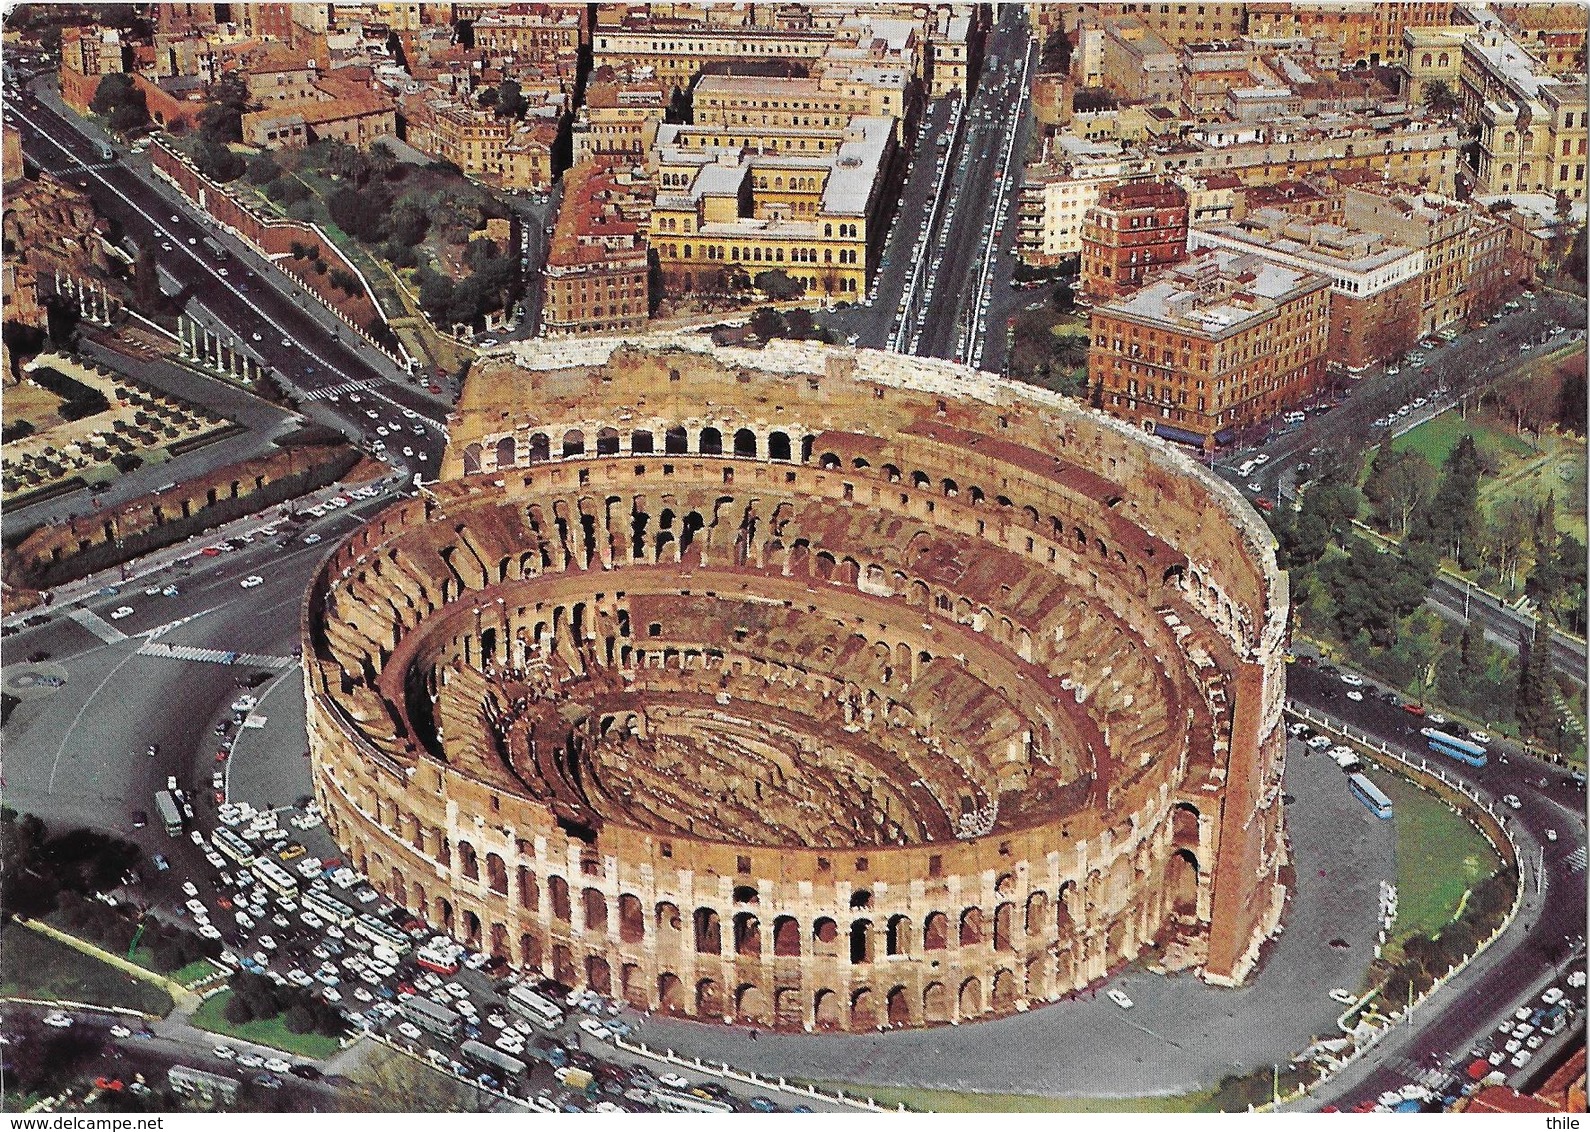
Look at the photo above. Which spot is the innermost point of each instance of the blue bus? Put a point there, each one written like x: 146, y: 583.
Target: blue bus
x: 1370, y: 795
x: 1451, y: 746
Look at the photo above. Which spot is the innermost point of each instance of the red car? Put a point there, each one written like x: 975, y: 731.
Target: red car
x: 224, y: 903
x: 220, y: 756
x: 1413, y: 709
x: 1264, y: 505
x: 406, y: 988
x: 220, y: 796
x: 211, y: 552
x: 108, y: 1084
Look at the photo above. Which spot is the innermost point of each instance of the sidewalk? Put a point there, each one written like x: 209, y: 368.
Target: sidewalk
x: 180, y: 994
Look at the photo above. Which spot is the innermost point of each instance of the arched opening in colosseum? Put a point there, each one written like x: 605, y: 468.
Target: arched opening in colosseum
x: 786, y: 936
x: 863, y: 1010
x: 898, y: 1007
x: 709, y: 999
x: 861, y: 898
x: 558, y: 892
x: 825, y: 936
x: 540, y: 447
x: 530, y: 950
x: 670, y: 927
x: 935, y: 1003
x: 631, y: 919
x: 750, y: 1004
x: 573, y: 443
x: 529, y: 893
x: 745, y: 442
x: 472, y: 930
x: 747, y: 934
x: 935, y: 932
x: 632, y: 985
x: 468, y: 863
x: 676, y: 441
x: 471, y: 462
x: 444, y: 914
x: 1062, y: 909
x: 1037, y: 979
x: 897, y: 940
x: 505, y: 452
x: 861, y: 941
x: 497, y: 874
x: 1184, y: 823
x: 787, y: 1012
x: 1004, y: 923
x: 1037, y: 915
x: 598, y: 975
x: 709, y: 933
x: 670, y: 993
x: 563, y: 963
x: 641, y: 442
x: 595, y: 906
x: 746, y: 894
x: 970, y: 1000
x: 778, y: 447
x: 1181, y: 882
x: 711, y: 442
x: 1004, y: 996
x: 971, y: 927
x: 827, y: 1010
x: 399, y: 890
x: 499, y: 940
x: 607, y: 441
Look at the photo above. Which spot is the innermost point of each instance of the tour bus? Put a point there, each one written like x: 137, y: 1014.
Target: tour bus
x: 439, y: 955
x: 427, y: 1015
x: 328, y: 908
x: 1454, y: 748
x: 667, y: 1101
x: 535, y: 1008
x: 274, y: 877
x: 170, y: 815
x: 377, y: 931
x: 495, y: 1060
x: 229, y: 844
x: 1370, y: 795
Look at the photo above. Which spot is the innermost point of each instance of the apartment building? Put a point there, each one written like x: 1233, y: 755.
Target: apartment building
x: 1362, y: 29
x: 596, y: 271
x: 1175, y: 24
x: 733, y: 205
x: 1531, y: 126
x: 1377, y: 289
x: 825, y: 102
x: 1135, y: 230
x: 620, y: 115
x: 1440, y: 226
x: 1058, y: 191
x: 1210, y: 346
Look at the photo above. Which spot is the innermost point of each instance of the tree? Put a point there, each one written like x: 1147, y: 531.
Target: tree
x: 1440, y: 99
x: 1056, y: 52
x: 222, y: 119
x: 383, y: 162
x: 1399, y: 484
x: 1537, y: 716
x: 216, y: 161
x: 263, y: 169
x: 1571, y: 399
x: 238, y: 1011
x: 510, y: 100
x: 1451, y: 518
x: 777, y: 285
x: 120, y: 100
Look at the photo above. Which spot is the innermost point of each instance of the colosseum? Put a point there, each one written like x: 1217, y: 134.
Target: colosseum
x: 807, y: 688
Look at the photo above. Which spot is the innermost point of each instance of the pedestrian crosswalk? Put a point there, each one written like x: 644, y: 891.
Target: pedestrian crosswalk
x: 365, y: 386
x: 214, y: 656
x: 97, y: 625
x: 1576, y: 859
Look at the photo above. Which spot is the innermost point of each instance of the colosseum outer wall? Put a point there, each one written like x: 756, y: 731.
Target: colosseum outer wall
x: 1170, y: 835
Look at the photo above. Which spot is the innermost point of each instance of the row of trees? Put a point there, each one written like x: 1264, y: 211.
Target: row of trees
x: 36, y: 869
x: 256, y: 998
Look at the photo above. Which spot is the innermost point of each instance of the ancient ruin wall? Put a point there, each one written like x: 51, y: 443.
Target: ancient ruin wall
x: 806, y: 687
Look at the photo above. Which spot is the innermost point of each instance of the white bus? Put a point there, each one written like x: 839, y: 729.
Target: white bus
x: 378, y: 931
x: 275, y: 878
x: 229, y: 844
x: 535, y: 1008
x: 329, y: 908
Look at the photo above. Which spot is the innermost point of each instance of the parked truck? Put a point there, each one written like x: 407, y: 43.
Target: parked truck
x: 166, y: 806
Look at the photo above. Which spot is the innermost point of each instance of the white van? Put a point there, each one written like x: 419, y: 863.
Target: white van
x: 1246, y: 470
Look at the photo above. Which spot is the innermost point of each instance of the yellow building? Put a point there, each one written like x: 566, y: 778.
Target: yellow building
x: 620, y: 115
x: 731, y: 205
x: 1531, y: 126
x: 1363, y: 29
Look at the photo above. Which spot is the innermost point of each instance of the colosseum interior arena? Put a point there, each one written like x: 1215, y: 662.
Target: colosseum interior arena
x: 807, y: 688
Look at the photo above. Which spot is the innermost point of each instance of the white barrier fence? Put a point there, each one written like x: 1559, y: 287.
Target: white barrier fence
x: 746, y: 1077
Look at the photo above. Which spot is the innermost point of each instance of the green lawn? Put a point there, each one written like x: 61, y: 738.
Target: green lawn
x: 938, y: 1100
x: 1439, y: 855
x: 1436, y: 438
x: 35, y: 966
x: 194, y: 972
x: 211, y: 1016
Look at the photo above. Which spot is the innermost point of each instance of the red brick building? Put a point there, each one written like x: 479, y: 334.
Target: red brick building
x: 1135, y: 229
x: 596, y: 272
